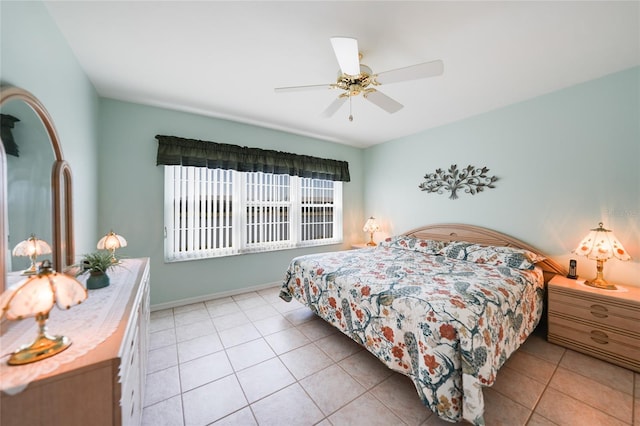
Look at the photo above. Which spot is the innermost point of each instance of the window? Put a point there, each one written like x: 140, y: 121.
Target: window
x: 214, y: 212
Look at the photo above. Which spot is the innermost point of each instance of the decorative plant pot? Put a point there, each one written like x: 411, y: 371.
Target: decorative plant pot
x: 97, y: 280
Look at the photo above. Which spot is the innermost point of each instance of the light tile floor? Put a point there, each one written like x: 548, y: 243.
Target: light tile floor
x: 253, y: 359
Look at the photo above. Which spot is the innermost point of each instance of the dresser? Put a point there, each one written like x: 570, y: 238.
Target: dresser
x: 103, y: 384
x: 601, y: 323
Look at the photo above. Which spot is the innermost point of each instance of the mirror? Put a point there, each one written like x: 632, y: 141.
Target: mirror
x: 29, y: 158
x: 35, y: 187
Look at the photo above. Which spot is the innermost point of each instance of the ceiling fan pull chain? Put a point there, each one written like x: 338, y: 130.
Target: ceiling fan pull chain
x: 350, y: 115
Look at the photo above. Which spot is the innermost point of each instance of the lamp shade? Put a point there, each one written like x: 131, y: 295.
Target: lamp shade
x: 39, y: 293
x: 31, y: 247
x: 371, y: 225
x: 601, y: 244
x: 111, y: 241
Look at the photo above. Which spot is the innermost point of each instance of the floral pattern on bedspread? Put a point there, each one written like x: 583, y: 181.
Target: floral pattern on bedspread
x: 447, y: 324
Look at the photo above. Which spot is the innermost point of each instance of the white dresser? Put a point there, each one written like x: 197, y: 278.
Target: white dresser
x: 100, y: 378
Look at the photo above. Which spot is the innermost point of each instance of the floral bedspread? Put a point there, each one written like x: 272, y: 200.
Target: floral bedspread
x: 447, y: 324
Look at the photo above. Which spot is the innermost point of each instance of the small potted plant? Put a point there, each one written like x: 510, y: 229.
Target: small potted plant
x: 97, y: 264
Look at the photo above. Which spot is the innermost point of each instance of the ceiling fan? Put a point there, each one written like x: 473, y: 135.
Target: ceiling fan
x: 355, y: 78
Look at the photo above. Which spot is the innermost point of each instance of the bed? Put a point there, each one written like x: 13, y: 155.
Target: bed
x: 445, y: 305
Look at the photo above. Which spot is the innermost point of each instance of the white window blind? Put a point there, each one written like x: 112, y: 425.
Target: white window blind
x: 199, y: 206
x: 213, y: 212
x: 317, y: 209
x: 268, y: 207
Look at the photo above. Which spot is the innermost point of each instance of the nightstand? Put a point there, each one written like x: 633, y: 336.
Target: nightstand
x: 602, y: 323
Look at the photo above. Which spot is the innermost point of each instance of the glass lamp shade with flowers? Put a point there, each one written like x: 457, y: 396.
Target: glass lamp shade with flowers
x: 600, y: 245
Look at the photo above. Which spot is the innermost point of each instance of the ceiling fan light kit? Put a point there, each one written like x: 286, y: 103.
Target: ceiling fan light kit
x: 355, y: 78
x: 353, y: 85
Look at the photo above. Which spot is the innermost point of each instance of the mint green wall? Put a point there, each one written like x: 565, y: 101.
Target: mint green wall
x: 128, y: 196
x: 131, y: 196
x: 35, y: 56
x: 542, y: 150
x: 565, y: 161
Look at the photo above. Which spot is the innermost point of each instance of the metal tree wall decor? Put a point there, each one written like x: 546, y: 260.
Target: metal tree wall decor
x: 471, y: 179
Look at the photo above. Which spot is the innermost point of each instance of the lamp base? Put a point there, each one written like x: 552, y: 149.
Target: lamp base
x: 599, y: 281
x: 43, y: 347
x: 601, y: 284
x: 371, y: 243
x: 31, y: 271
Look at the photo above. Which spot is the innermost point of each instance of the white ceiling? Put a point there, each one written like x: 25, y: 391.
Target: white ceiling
x: 224, y: 59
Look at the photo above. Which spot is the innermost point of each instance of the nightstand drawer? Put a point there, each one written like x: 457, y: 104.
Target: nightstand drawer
x: 597, y: 311
x: 600, y: 339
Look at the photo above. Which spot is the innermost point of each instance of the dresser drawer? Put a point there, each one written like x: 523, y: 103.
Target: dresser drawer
x: 130, y: 364
x: 130, y: 346
x: 596, y: 311
x: 622, y: 308
x: 600, y: 339
x: 131, y: 403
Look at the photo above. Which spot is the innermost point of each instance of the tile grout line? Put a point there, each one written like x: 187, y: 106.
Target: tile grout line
x: 558, y: 367
x: 175, y: 326
x: 336, y: 363
x: 600, y: 383
x: 546, y: 386
x: 235, y: 372
x: 297, y: 381
x: 313, y: 341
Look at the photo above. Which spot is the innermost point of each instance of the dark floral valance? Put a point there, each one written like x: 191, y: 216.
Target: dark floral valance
x: 175, y: 151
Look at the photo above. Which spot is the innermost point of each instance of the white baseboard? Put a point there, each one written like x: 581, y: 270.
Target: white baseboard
x: 197, y: 299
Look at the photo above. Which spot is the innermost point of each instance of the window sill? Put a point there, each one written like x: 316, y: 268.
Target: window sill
x: 257, y: 250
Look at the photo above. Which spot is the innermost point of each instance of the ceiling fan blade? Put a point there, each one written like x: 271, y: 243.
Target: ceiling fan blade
x: 383, y: 101
x: 414, y: 72
x: 304, y: 88
x: 334, y: 106
x: 346, y: 50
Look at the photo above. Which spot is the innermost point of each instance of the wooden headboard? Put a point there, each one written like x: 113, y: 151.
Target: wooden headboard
x: 476, y: 234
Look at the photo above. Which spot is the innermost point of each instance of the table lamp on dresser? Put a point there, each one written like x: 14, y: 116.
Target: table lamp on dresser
x: 35, y: 297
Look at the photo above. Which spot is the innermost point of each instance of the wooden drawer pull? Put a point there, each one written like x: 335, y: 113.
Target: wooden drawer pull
x: 599, y: 311
x: 599, y: 337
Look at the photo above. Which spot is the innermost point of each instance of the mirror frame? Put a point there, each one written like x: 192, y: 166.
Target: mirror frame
x: 63, y: 246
